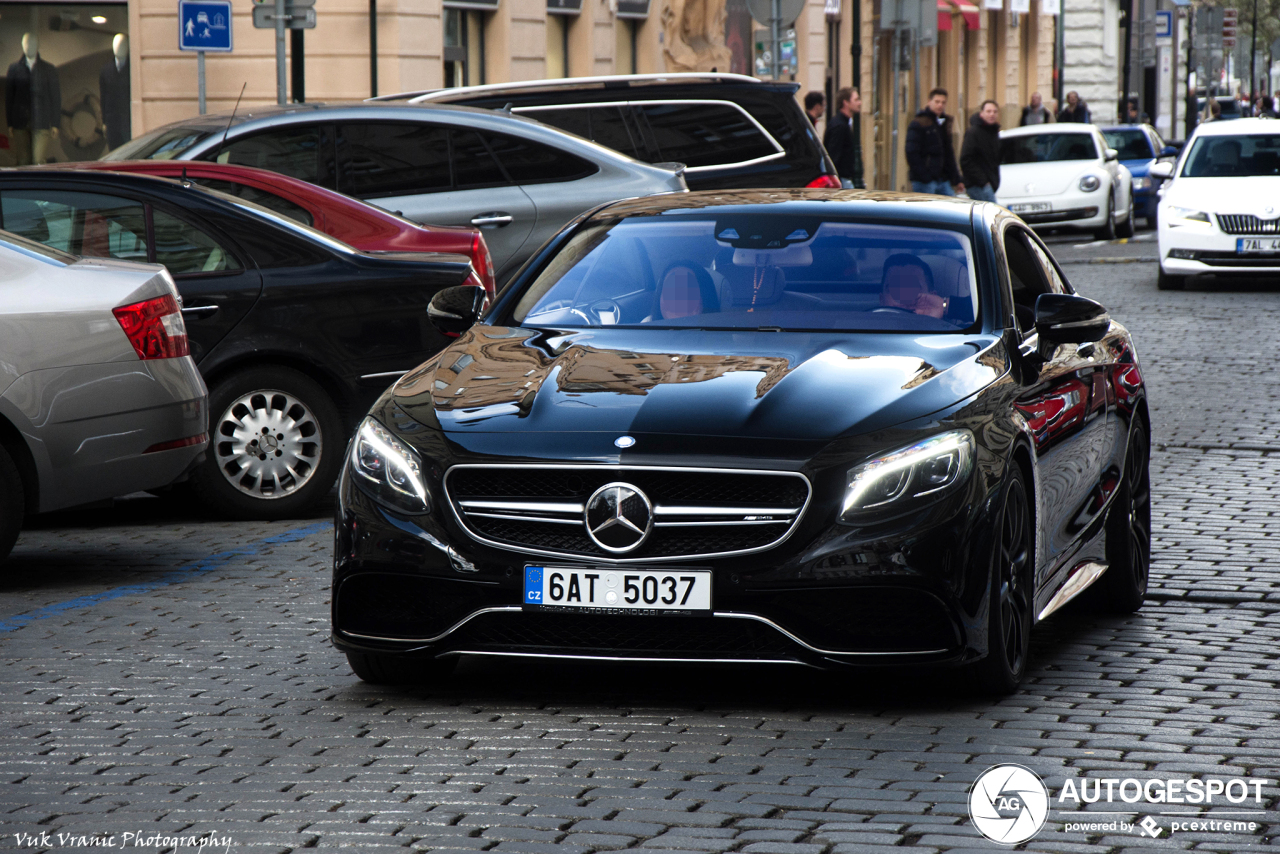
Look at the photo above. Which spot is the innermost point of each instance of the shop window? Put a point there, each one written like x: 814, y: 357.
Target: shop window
x: 464, y: 47
x: 67, y: 82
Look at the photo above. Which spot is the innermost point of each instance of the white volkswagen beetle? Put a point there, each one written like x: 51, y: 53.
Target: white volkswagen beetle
x: 1064, y: 175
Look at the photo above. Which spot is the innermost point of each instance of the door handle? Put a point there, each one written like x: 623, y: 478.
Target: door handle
x: 199, y: 311
x: 498, y: 218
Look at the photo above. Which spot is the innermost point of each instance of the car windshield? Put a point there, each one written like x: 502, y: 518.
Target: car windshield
x: 1131, y: 144
x: 1244, y: 156
x: 1047, y: 148
x: 163, y: 144
x: 756, y: 272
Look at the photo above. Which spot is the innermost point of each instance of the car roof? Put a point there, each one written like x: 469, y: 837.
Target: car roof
x: 870, y: 204
x: 569, y: 84
x: 1057, y: 127
x: 1239, y: 127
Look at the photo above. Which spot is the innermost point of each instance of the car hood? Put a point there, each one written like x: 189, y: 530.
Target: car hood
x: 1138, y: 168
x: 1023, y: 180
x: 744, y: 385
x: 1226, y: 195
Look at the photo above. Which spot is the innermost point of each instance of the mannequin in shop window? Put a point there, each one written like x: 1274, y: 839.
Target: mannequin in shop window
x: 113, y: 89
x: 33, y: 104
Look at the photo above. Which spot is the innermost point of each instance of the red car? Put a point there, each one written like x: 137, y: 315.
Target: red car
x: 365, y: 227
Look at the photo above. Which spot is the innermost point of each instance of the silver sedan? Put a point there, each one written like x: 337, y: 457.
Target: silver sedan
x: 98, y: 394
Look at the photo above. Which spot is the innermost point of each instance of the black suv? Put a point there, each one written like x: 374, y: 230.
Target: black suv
x: 730, y: 131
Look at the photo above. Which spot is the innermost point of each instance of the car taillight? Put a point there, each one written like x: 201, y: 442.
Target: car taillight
x: 154, y: 327
x: 825, y: 182
x: 483, y: 264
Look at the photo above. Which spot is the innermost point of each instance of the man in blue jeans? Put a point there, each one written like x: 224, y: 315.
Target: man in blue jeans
x: 931, y: 158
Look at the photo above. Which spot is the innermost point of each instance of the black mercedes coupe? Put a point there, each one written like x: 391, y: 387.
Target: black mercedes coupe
x: 795, y: 426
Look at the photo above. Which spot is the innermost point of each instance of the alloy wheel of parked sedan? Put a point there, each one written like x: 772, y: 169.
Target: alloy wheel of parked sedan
x: 275, y: 439
x: 1009, y: 618
x: 1123, y: 586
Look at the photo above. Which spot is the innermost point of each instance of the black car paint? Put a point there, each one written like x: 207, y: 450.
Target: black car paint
x: 298, y: 301
x: 773, y: 105
x: 1064, y: 417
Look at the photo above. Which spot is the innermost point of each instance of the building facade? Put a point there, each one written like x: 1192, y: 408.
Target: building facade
x: 1004, y: 51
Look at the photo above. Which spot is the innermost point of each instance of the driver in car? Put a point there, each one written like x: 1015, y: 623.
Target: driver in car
x: 686, y: 291
x: 907, y: 285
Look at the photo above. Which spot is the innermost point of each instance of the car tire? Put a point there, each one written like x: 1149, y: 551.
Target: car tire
x: 1126, y: 229
x: 1012, y: 593
x: 1108, y: 229
x: 306, y: 427
x: 1123, y: 587
x: 386, y: 669
x: 12, y: 504
x: 1165, y: 282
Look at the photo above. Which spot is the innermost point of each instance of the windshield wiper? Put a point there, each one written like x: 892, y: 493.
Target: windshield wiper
x: 768, y: 329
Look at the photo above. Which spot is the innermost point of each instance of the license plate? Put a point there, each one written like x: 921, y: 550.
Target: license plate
x: 617, y: 589
x: 1257, y: 244
x: 1031, y: 207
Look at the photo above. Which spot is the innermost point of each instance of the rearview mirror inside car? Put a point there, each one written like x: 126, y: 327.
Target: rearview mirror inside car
x: 455, y: 310
x: 1161, y: 170
x: 1070, y: 319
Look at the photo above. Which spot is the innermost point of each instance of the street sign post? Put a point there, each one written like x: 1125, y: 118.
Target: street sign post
x: 281, y: 15
x: 1164, y: 28
x: 204, y: 25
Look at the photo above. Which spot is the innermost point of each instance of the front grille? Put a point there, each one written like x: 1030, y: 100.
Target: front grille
x: 593, y: 634
x: 1247, y: 224
x: 695, y: 512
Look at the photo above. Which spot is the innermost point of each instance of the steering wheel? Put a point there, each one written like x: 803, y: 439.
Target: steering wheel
x: 896, y: 308
x: 577, y: 312
x: 601, y: 307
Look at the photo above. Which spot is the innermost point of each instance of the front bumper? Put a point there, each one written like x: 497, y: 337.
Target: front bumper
x: 1195, y: 250
x: 826, y: 597
x: 1071, y: 209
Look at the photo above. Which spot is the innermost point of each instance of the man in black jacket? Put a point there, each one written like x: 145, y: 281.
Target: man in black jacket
x: 931, y: 158
x: 980, y: 153
x: 1075, y: 110
x: 842, y: 143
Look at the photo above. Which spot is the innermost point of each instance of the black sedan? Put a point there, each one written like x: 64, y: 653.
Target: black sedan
x: 784, y: 426
x: 295, y: 333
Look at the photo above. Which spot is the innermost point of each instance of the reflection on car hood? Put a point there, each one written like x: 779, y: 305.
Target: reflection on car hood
x: 789, y: 385
x: 1026, y: 180
x: 1226, y: 195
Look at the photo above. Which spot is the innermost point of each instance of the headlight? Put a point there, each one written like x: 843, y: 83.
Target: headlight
x: 388, y: 469
x: 921, y: 473
x: 1175, y: 215
x: 1089, y: 183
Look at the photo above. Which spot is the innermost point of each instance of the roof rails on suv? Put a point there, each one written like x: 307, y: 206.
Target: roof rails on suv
x: 731, y: 131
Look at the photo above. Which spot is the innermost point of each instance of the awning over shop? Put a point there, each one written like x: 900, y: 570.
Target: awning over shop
x: 946, y: 8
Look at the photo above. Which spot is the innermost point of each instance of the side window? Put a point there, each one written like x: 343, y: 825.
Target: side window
x: 606, y: 125
x: 473, y: 165
x: 528, y: 162
x: 79, y: 223
x: 1026, y: 277
x: 1056, y: 284
x: 701, y: 134
x: 304, y: 152
x: 270, y: 201
x: 393, y: 158
x: 183, y: 248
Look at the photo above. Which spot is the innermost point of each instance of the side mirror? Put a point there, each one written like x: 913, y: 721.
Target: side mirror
x: 1112, y: 154
x: 455, y: 310
x: 1168, y: 151
x: 1070, y: 319
x: 1162, y: 170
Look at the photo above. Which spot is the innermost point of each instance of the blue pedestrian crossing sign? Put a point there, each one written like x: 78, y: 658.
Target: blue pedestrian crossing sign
x: 204, y: 25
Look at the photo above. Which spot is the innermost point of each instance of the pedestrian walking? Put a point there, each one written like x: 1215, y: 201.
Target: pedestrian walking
x: 1264, y: 108
x: 931, y: 158
x: 1075, y: 110
x: 842, y: 143
x: 1035, y: 113
x: 815, y: 104
x: 980, y: 153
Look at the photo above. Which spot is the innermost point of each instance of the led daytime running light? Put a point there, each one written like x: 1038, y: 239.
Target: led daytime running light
x: 954, y: 448
x: 411, y: 495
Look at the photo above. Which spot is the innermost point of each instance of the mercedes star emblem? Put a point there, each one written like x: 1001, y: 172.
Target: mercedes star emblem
x: 619, y: 517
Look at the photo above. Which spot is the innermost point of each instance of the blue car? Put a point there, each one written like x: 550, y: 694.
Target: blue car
x: 1140, y: 146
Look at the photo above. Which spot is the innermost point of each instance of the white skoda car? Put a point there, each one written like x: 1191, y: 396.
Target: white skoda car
x: 1221, y: 212
x: 1065, y: 175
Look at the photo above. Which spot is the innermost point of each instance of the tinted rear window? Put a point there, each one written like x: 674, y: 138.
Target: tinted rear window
x: 394, y: 158
x: 610, y: 126
x: 528, y: 162
x: 702, y: 134
x: 299, y: 152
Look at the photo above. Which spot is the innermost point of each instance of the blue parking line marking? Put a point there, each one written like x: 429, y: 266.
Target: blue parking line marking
x: 176, y: 576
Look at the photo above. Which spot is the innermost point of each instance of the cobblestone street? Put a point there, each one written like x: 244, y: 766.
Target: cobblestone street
x: 166, y: 676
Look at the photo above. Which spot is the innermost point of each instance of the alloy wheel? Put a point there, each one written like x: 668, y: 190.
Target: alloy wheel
x: 1013, y: 559
x: 269, y: 444
x: 1138, y: 480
